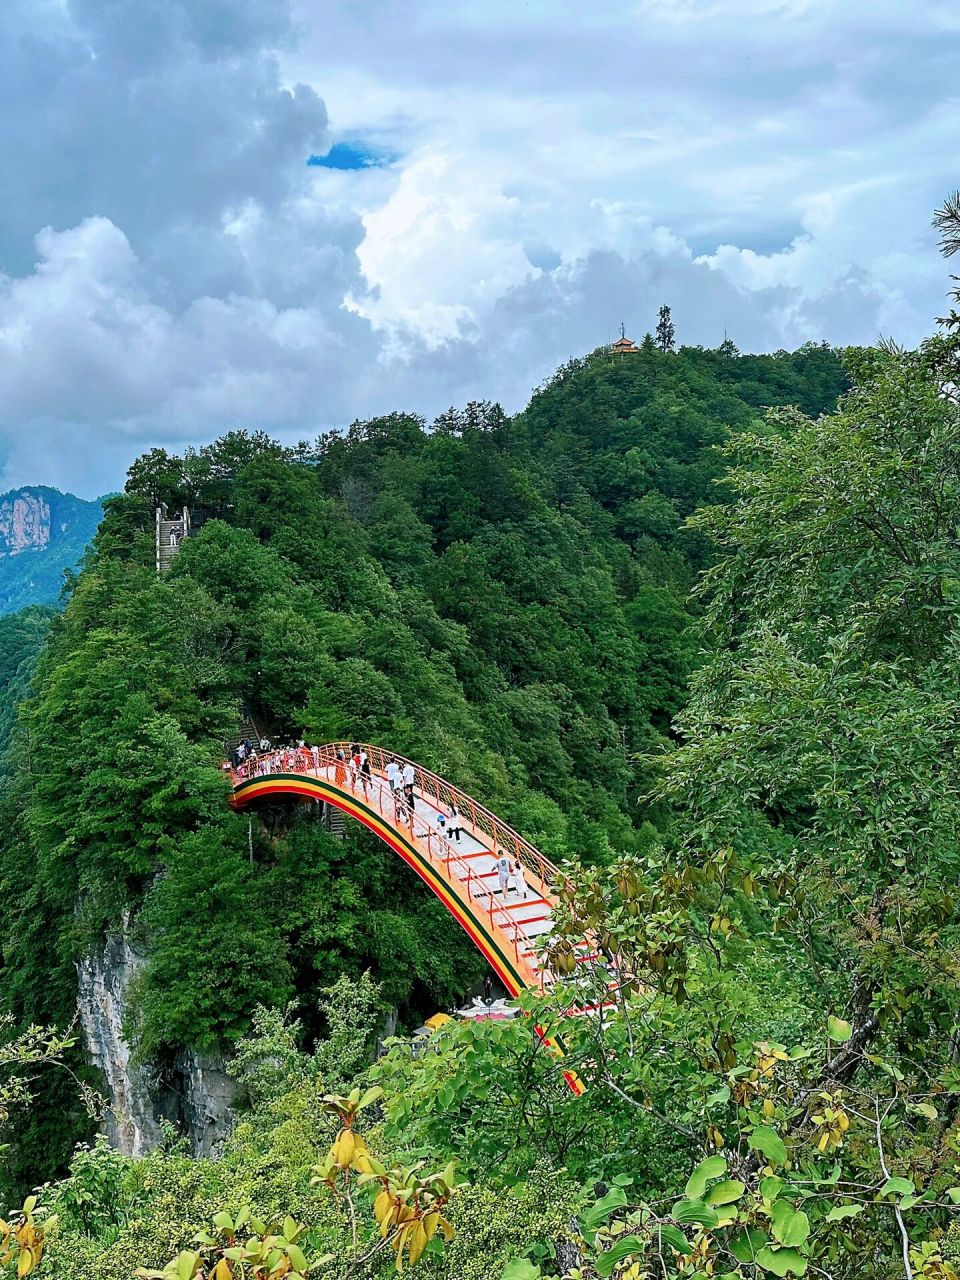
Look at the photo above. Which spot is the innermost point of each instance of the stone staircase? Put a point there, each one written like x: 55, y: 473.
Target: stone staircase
x: 245, y: 729
x: 335, y: 821
x: 170, y: 534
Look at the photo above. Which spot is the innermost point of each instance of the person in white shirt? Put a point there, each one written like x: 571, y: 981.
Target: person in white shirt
x: 453, y: 824
x: 503, y: 873
x: 393, y: 775
x: 409, y: 776
x: 519, y: 880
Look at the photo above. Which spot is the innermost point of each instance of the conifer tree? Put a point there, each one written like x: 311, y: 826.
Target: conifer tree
x: 665, y: 330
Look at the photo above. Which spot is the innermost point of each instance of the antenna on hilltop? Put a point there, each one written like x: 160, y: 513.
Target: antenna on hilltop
x: 623, y: 332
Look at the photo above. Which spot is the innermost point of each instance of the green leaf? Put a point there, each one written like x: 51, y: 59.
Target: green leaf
x: 771, y: 1187
x: 954, y: 1194
x: 607, y: 1262
x: 676, y: 1239
x: 839, y: 1030
x: 712, y: 1167
x: 598, y: 1213
x: 721, y: 1095
x: 790, y: 1226
x: 726, y: 1192
x: 223, y: 1221
x: 186, y: 1265
x: 840, y: 1211
x: 747, y: 1244
x: 923, y: 1109
x: 897, y: 1187
x: 782, y: 1261
x: 695, y: 1211
x: 296, y: 1257
x: 520, y: 1269
x: 768, y: 1143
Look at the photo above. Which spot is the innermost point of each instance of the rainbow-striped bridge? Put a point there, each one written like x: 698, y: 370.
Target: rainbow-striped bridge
x: 508, y: 928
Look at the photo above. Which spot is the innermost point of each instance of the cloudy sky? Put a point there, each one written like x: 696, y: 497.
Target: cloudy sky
x: 290, y: 213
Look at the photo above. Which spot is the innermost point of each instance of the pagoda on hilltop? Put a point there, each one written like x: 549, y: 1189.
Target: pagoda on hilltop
x: 623, y: 345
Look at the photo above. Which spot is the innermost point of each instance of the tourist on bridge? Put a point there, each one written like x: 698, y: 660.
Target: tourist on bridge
x: 315, y: 757
x: 366, y: 776
x: 503, y: 873
x: 409, y: 777
x: 339, y: 771
x: 453, y: 824
x: 520, y: 880
x: 355, y: 763
x: 394, y: 778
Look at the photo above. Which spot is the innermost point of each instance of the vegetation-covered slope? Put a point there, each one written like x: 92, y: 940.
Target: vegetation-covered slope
x: 22, y: 637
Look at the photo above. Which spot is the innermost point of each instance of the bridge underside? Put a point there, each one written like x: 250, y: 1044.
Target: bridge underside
x: 308, y: 788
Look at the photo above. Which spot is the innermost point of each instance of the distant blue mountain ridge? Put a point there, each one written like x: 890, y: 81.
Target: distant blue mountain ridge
x: 42, y: 533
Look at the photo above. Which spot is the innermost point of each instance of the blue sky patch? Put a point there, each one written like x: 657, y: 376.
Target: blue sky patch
x: 349, y: 155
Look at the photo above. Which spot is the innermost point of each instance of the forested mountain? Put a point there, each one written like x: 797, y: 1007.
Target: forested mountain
x: 43, y: 533
x: 507, y: 600
x: 503, y: 600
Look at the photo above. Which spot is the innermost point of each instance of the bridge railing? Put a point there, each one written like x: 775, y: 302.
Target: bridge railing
x: 502, y: 837
x: 457, y: 866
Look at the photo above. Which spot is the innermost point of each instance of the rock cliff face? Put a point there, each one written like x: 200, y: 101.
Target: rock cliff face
x: 195, y: 1094
x: 42, y: 533
x: 24, y: 522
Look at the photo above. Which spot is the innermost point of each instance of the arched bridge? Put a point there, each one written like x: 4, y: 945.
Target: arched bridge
x: 509, y: 929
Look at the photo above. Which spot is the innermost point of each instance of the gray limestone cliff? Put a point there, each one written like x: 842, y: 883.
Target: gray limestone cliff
x: 24, y: 522
x: 194, y: 1094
